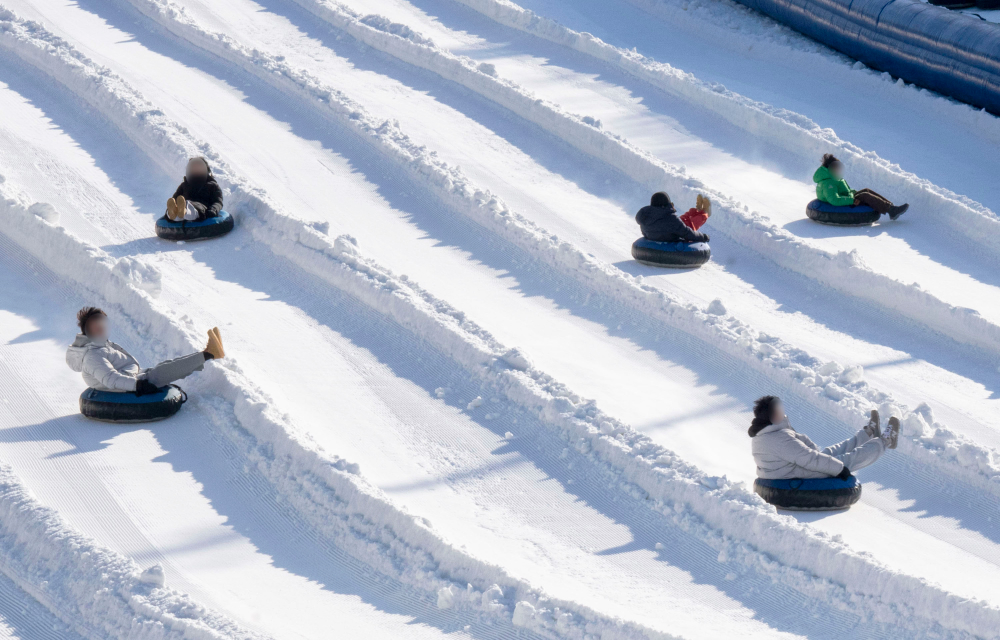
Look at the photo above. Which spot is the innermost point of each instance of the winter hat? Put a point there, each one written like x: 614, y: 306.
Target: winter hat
x: 661, y: 199
x: 761, y: 414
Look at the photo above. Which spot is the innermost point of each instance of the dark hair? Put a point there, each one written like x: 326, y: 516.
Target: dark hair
x: 830, y: 159
x: 661, y: 199
x: 84, y: 315
x: 208, y: 167
x: 762, y: 408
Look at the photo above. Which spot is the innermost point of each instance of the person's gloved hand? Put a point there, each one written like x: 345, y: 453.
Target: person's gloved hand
x: 844, y: 474
x: 199, y: 207
x: 144, y: 387
x: 706, y: 237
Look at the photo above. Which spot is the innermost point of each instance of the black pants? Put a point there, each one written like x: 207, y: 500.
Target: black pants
x: 869, y: 198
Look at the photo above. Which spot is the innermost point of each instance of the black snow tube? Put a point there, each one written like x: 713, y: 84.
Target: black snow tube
x: 826, y: 213
x: 195, y: 230
x: 817, y: 494
x: 677, y: 255
x: 125, y: 407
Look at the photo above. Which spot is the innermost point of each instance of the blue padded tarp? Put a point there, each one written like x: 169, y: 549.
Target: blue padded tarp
x: 952, y: 53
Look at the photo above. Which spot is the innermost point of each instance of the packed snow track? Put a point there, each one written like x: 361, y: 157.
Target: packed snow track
x: 452, y: 404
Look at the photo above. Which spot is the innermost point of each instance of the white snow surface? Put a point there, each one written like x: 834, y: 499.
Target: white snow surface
x: 423, y: 455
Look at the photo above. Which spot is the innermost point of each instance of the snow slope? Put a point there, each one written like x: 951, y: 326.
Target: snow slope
x: 419, y: 432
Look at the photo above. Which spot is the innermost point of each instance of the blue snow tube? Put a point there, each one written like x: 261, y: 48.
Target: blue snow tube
x: 195, y: 230
x: 816, y: 494
x: 853, y: 216
x: 676, y: 255
x: 126, y: 407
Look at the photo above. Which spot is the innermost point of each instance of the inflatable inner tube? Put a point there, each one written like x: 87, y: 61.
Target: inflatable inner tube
x: 125, y: 407
x: 196, y: 230
x: 817, y: 494
x: 678, y: 255
x: 845, y: 216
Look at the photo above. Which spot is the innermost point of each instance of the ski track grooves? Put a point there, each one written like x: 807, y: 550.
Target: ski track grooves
x: 325, y: 489
x: 97, y: 592
x: 835, y: 392
x: 678, y: 489
x: 792, y: 131
x: 841, y: 271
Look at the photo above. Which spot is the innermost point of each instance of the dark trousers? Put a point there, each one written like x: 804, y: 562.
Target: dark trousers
x: 873, y: 200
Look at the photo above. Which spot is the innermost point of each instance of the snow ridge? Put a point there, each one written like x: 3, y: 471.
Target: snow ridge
x: 757, y: 35
x: 718, y: 511
x: 791, y: 131
x: 326, y: 490
x: 98, y: 592
x: 358, y: 518
x: 841, y: 271
x: 837, y: 390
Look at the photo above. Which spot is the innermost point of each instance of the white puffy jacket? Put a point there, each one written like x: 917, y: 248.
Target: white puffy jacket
x: 782, y: 453
x: 105, y: 365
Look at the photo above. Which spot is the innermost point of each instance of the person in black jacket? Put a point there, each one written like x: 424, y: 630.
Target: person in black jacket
x: 199, y: 197
x: 659, y: 222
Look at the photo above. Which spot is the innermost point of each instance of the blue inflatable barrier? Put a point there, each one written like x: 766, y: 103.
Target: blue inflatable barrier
x: 952, y: 53
x: 677, y: 255
x: 125, y: 407
x: 817, y: 494
x: 827, y: 213
x: 196, y: 230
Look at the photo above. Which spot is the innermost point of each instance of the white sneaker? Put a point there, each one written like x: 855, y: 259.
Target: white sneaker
x: 873, y: 429
x: 891, y: 437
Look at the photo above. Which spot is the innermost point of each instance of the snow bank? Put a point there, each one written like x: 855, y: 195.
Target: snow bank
x: 794, y: 132
x: 330, y: 494
x: 99, y: 593
x: 325, y: 489
x: 842, y: 271
x: 947, y: 451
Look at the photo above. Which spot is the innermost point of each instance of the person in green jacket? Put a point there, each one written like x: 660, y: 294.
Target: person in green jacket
x: 833, y: 189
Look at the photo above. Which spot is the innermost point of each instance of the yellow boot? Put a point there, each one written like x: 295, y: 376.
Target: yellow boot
x: 707, y: 204
x: 214, y: 347
x: 181, y: 207
x: 172, y: 209
x: 699, y: 203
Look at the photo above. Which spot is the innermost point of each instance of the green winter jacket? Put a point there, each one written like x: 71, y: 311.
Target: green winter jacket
x: 831, y: 190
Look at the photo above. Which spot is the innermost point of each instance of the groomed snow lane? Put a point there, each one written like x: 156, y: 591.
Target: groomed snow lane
x: 613, y: 542
x: 176, y: 492
x: 740, y: 454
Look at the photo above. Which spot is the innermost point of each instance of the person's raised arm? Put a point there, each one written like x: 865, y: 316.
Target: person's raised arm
x: 109, y: 377
x: 797, y: 452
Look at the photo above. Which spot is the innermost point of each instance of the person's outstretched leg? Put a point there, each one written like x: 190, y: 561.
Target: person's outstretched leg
x: 871, y: 199
x: 172, y: 370
x: 864, y: 455
x: 879, y: 203
x: 861, y: 437
x: 870, y: 451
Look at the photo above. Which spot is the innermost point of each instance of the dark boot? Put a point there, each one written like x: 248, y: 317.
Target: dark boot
x: 895, y: 212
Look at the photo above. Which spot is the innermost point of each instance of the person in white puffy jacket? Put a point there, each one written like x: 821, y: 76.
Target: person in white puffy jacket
x: 782, y: 453
x: 107, y: 366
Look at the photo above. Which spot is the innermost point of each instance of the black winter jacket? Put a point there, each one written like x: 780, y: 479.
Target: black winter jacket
x: 206, y: 196
x: 661, y: 224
